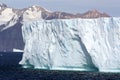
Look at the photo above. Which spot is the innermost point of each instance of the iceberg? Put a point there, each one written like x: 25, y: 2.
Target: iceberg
x: 72, y: 44
x: 17, y: 50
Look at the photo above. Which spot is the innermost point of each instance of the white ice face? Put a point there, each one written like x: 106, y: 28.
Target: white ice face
x: 74, y: 44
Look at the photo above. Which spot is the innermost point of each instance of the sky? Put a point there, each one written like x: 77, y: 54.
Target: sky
x: 112, y: 7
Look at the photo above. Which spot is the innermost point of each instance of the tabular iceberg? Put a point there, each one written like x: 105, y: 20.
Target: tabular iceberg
x: 72, y: 44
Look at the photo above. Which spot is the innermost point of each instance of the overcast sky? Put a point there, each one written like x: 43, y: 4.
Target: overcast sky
x: 111, y: 7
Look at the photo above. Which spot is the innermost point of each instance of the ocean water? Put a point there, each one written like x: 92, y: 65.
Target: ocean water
x: 10, y: 58
x: 11, y: 70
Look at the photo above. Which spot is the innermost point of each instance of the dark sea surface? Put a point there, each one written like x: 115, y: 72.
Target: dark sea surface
x: 11, y: 70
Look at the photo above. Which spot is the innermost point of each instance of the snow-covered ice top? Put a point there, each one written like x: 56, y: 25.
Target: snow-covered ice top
x: 8, y: 18
x: 34, y: 13
x: 72, y: 44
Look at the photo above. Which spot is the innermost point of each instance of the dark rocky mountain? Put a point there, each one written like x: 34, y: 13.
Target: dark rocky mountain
x: 94, y: 14
x: 60, y: 15
x: 12, y: 20
x: 3, y: 5
x: 89, y: 14
x: 11, y: 38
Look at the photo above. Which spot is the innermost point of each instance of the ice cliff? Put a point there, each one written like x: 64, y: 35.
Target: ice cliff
x: 72, y: 44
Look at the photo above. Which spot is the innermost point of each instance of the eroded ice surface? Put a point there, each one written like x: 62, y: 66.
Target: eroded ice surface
x: 74, y: 44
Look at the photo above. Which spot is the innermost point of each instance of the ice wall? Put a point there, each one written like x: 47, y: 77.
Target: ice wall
x: 74, y: 44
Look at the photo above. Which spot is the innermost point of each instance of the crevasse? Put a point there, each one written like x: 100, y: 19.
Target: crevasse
x: 72, y: 44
